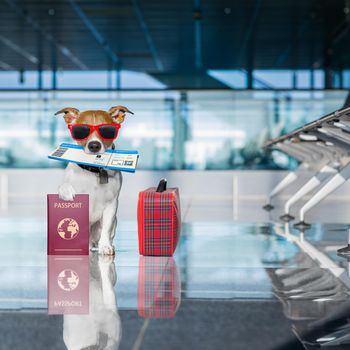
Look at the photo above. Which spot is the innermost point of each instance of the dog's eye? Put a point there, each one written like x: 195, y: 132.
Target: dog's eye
x: 80, y: 132
x: 108, y: 131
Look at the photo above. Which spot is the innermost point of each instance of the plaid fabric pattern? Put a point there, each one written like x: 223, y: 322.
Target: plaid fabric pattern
x: 159, y: 287
x: 158, y: 222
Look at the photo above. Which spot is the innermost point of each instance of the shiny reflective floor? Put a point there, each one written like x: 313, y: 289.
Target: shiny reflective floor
x: 230, y: 285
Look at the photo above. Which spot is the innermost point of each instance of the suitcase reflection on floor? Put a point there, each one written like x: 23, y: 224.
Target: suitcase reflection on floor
x: 82, y: 289
x: 159, y: 287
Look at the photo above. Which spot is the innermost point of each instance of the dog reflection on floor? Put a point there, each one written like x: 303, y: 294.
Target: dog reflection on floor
x: 101, y: 328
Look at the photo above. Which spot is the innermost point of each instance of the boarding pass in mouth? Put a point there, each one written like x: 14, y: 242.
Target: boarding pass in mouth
x: 111, y: 159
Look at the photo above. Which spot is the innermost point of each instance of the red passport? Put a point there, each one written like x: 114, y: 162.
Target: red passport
x: 68, y: 225
x: 68, y: 285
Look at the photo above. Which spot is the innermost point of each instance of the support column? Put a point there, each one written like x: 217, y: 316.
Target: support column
x: 118, y: 76
x: 180, y: 115
x: 40, y: 60
x: 54, y: 66
x: 197, y: 15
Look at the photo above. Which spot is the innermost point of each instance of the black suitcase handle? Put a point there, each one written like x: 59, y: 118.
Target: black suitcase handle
x: 162, y: 185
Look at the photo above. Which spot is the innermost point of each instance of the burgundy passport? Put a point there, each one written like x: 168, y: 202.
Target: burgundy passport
x: 68, y: 225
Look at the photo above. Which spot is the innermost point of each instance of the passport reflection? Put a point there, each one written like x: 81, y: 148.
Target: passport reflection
x: 81, y: 288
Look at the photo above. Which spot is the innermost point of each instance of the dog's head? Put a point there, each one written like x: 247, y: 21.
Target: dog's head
x: 95, y: 130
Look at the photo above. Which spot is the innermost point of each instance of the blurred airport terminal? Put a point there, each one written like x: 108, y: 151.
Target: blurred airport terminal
x: 210, y: 82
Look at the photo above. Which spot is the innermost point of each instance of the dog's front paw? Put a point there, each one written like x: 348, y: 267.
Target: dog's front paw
x: 66, y: 192
x: 106, y: 249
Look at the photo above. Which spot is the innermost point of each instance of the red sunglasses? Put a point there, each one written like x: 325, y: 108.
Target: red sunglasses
x: 83, y: 131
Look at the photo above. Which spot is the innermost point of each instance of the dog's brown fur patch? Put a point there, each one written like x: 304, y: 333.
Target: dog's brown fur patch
x: 94, y: 117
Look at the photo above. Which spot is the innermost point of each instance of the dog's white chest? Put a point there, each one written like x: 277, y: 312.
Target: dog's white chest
x: 100, y: 195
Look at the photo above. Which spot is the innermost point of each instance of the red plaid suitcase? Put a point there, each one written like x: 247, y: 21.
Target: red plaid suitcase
x: 158, y: 215
x: 159, y: 287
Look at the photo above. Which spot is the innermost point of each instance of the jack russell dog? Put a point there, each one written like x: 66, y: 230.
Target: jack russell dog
x: 95, y: 130
x: 101, y: 328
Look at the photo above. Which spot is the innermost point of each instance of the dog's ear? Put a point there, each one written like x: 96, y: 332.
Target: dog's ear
x: 118, y: 113
x: 69, y: 114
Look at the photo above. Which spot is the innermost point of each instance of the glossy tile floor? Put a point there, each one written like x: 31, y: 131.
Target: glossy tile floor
x: 231, y: 285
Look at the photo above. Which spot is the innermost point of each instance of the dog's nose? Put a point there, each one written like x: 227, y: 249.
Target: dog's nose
x: 94, y: 146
